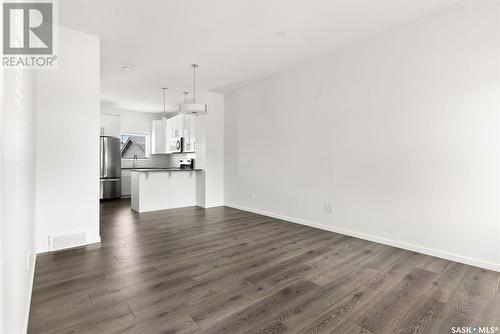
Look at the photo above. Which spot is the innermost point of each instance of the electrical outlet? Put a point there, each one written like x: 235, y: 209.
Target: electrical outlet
x: 328, y: 207
x: 252, y: 194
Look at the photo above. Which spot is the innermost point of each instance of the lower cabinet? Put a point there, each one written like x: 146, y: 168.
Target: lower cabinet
x: 152, y: 191
x: 182, y: 189
x: 126, y: 182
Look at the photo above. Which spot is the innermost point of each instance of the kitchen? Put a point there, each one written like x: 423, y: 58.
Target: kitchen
x: 151, y: 157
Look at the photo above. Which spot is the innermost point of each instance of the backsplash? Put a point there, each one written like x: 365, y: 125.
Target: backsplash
x: 155, y: 160
x: 159, y: 160
x: 174, y: 158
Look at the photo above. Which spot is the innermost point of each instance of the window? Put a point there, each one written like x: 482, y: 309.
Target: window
x: 134, y: 144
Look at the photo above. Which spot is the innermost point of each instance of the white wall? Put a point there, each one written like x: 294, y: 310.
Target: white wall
x: 210, y: 151
x: 399, y: 131
x: 17, y: 200
x: 68, y: 122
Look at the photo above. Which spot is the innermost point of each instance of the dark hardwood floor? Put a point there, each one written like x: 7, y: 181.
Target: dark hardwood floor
x: 222, y: 270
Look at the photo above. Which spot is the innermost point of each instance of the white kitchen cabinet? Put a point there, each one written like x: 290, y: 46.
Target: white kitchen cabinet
x: 126, y: 182
x: 189, y: 133
x: 165, y: 130
x: 110, y: 125
x: 159, y: 137
x: 169, y: 132
x: 160, y: 190
x: 172, y: 132
x: 182, y: 189
x: 177, y: 123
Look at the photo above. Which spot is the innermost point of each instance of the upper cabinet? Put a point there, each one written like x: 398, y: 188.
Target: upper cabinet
x: 159, y: 137
x: 166, y: 130
x: 177, y: 126
x: 189, y: 134
x: 110, y: 125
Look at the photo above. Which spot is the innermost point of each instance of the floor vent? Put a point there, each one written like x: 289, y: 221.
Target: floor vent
x: 57, y: 242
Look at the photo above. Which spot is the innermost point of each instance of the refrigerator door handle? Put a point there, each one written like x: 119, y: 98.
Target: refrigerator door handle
x: 101, y: 157
x: 106, y: 158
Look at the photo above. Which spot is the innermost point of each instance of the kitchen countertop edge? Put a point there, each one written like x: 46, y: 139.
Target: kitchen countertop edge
x: 156, y: 170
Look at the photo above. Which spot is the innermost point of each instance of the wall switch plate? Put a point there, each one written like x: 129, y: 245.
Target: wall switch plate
x: 328, y: 207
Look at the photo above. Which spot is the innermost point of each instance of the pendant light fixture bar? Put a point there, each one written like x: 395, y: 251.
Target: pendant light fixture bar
x: 193, y: 108
x: 166, y: 107
x: 164, y: 99
x: 194, y: 66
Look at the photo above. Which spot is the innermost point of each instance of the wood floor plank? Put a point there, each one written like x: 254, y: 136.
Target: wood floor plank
x: 471, y: 296
x: 420, y: 318
x: 269, y: 326
x: 489, y: 315
x: 223, y: 270
x: 259, y: 311
x: 392, y: 303
x: 346, y: 307
x: 306, y: 309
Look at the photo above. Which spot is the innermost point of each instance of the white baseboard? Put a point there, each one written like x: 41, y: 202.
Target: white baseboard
x: 92, y: 241
x: 381, y: 240
x: 89, y: 242
x: 212, y: 205
x: 32, y: 279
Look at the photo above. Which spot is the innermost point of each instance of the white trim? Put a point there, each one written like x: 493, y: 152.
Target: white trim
x: 91, y: 242
x: 213, y: 205
x: 88, y: 243
x: 32, y: 279
x: 381, y: 240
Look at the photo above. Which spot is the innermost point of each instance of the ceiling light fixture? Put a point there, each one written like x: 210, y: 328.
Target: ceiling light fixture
x: 193, y: 108
x: 280, y: 34
x: 127, y: 67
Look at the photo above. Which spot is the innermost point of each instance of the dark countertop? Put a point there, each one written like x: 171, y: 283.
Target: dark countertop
x: 172, y: 169
x: 129, y: 168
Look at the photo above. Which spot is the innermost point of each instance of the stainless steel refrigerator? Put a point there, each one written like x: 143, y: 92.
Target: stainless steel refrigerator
x: 110, y: 159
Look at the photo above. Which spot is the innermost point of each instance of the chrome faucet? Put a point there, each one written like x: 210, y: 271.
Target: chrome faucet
x: 135, y: 161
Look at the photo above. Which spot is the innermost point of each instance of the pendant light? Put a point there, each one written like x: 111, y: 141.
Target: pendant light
x: 166, y: 108
x: 164, y: 99
x: 193, y: 108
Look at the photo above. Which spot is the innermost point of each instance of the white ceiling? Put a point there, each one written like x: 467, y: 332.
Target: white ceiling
x: 233, y: 42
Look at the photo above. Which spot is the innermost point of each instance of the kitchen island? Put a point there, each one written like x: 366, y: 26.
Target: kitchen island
x: 162, y: 188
